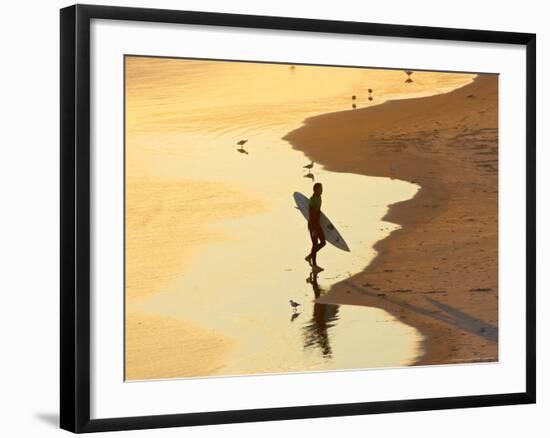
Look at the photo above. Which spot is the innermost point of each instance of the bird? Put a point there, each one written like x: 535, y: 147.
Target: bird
x: 294, y: 304
x: 310, y: 176
x: 308, y: 166
x: 242, y: 150
x: 370, y: 90
x: 409, y: 73
x: 370, y: 93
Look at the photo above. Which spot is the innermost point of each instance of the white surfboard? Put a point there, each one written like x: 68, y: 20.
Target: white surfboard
x: 331, y: 233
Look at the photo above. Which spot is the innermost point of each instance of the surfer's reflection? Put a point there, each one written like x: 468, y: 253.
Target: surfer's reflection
x: 324, y: 317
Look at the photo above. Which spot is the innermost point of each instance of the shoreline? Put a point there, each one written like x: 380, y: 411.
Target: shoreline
x: 439, y: 271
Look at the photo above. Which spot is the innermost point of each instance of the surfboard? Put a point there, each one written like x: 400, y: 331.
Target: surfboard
x: 332, y: 235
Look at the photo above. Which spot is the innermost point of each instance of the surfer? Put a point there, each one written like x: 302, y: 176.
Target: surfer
x: 314, y: 226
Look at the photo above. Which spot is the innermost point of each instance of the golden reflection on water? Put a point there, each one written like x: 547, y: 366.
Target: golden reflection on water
x: 212, y: 236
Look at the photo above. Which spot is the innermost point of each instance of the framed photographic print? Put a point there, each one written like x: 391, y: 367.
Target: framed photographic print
x: 270, y: 218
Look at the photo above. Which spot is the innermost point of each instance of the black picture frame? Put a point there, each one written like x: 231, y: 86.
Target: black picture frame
x: 75, y: 217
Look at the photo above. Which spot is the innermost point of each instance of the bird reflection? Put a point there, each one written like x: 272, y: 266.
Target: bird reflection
x: 324, y: 317
x: 242, y: 150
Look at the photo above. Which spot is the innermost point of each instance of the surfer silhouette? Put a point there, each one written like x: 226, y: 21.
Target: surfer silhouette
x: 314, y: 226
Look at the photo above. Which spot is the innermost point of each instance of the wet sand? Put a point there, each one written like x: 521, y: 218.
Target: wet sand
x: 173, y: 348
x: 160, y: 242
x: 439, y: 272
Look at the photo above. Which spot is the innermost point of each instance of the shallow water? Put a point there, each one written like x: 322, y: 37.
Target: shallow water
x: 244, y: 240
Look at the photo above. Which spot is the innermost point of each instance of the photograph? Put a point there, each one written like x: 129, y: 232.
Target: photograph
x: 297, y: 218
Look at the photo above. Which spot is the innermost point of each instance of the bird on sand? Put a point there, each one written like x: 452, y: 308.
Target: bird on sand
x: 310, y: 176
x: 242, y: 150
x: 308, y: 166
x: 294, y: 304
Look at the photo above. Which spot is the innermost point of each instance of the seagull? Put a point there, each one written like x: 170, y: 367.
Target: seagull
x: 310, y: 176
x: 241, y: 142
x: 308, y: 166
x: 294, y: 304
